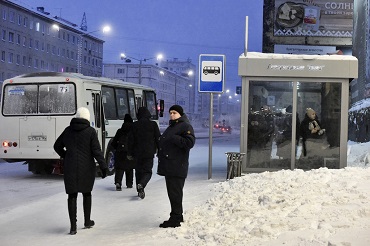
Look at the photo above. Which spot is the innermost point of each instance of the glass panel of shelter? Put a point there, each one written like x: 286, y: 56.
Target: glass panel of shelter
x: 271, y: 133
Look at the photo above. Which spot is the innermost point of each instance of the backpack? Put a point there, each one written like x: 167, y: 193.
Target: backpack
x: 122, y: 143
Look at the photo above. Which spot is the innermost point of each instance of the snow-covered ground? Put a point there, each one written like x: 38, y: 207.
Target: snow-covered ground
x: 318, y: 207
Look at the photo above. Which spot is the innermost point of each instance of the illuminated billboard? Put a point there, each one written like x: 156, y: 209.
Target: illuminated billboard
x: 313, y: 18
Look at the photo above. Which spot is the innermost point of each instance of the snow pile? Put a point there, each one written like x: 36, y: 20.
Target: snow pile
x: 261, y: 207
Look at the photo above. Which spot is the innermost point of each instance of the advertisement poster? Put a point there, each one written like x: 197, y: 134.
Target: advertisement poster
x: 313, y: 18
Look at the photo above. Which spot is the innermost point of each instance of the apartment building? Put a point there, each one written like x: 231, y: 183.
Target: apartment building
x: 34, y: 41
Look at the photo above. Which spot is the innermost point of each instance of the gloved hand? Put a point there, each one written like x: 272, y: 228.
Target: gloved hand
x: 130, y: 157
x: 103, y: 173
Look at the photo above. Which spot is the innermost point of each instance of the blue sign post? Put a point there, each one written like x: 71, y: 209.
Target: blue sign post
x: 211, y: 73
x: 211, y: 79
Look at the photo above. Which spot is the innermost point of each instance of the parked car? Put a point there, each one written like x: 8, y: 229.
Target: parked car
x: 225, y: 129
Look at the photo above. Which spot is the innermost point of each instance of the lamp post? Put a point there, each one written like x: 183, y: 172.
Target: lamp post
x: 125, y: 57
x: 79, y: 50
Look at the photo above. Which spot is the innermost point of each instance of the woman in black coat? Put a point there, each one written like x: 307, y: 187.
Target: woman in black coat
x: 173, y: 161
x: 78, y: 145
x: 123, y: 165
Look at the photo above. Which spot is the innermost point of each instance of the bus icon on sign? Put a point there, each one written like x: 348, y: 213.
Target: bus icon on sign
x: 211, y: 70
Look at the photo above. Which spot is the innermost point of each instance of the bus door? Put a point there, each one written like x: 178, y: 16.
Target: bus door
x: 98, y: 121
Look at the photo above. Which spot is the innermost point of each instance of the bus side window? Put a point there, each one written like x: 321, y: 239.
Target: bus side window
x: 109, y: 103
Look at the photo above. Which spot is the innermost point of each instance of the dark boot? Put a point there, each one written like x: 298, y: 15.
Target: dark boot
x: 87, y: 212
x: 174, y: 221
x: 72, y: 211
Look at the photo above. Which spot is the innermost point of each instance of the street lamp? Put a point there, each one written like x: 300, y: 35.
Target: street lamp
x: 125, y: 57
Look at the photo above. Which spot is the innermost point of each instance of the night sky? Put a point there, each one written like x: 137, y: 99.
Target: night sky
x: 177, y: 29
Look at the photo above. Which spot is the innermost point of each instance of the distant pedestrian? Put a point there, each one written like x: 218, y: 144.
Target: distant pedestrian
x: 173, y: 161
x: 122, y: 165
x: 78, y: 145
x: 143, y: 145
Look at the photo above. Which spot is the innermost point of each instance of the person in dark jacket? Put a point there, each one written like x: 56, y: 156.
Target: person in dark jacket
x: 78, y: 145
x: 173, y: 161
x: 123, y: 165
x: 143, y: 145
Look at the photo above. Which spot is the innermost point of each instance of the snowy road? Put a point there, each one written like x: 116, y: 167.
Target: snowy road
x: 36, y: 205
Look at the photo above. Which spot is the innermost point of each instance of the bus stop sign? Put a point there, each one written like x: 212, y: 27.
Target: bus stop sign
x: 211, y: 73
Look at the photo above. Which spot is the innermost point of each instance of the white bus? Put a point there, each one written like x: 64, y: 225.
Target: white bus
x: 37, y: 107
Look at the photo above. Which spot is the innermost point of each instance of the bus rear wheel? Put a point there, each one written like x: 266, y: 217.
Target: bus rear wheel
x: 109, y: 159
x: 40, y: 166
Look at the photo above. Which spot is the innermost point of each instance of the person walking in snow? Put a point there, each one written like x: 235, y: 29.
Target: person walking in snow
x: 173, y: 161
x: 122, y: 165
x: 143, y: 145
x: 78, y: 145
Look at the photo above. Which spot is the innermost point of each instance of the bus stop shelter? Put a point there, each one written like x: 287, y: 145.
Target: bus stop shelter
x: 279, y: 91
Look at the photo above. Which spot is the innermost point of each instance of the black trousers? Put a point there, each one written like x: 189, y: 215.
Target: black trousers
x: 143, y: 170
x: 175, y: 186
x: 129, y: 176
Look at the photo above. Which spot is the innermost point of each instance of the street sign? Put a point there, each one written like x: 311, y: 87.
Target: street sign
x: 211, y: 73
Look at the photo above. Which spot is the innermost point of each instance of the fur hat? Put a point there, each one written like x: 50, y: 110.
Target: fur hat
x: 310, y: 111
x: 178, y: 109
x: 83, y: 113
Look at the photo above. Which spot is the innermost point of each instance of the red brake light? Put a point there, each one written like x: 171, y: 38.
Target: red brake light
x: 5, y: 144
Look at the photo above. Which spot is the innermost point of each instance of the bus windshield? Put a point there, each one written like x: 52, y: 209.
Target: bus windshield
x: 32, y: 99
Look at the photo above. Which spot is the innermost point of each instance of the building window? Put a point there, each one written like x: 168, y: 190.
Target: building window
x: 31, y: 42
x: 37, y: 26
x: 58, y: 51
x: 42, y: 46
x: 29, y: 61
x: 67, y: 54
x: 24, y: 61
x: 25, y: 21
x: 63, y: 52
x: 18, y: 59
x: 53, y: 50
x: 36, y: 63
x: 43, y: 27
x: 3, y: 35
x: 18, y: 39
x: 10, y: 58
x: 11, y: 37
x: 2, y: 56
x: 42, y: 64
x: 64, y: 35
x: 120, y: 70
x: 31, y: 24
x: 4, y: 14
x: 19, y: 20
x: 11, y: 16
x: 36, y: 44
x: 68, y: 37
x: 24, y: 40
x: 72, y: 55
x: 48, y: 48
x: 73, y: 39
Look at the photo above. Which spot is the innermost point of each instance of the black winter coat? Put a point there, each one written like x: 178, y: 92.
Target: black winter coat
x: 120, y: 155
x: 143, y: 139
x: 174, y: 147
x: 78, y: 145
